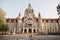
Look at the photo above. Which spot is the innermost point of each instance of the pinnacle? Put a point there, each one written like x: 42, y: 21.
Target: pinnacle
x: 29, y: 5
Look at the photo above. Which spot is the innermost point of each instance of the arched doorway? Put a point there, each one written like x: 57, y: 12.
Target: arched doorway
x: 25, y: 30
x: 30, y: 30
x: 34, y: 31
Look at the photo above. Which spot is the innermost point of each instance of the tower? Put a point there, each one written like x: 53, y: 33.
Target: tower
x: 18, y: 18
x: 29, y: 11
x: 39, y: 23
x: 18, y: 23
x: 58, y: 10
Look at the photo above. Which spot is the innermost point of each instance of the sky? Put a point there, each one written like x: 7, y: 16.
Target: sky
x: 47, y: 8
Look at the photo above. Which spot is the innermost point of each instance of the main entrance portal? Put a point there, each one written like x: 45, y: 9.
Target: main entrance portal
x: 30, y: 30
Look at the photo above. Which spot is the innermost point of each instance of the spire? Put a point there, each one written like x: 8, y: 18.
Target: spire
x: 19, y: 15
x: 39, y: 14
x: 29, y: 5
x: 29, y: 9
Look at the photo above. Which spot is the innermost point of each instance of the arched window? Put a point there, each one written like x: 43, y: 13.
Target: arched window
x: 51, y: 21
x: 34, y: 31
x: 30, y: 25
x: 25, y: 30
x: 56, y: 21
x: 46, y: 21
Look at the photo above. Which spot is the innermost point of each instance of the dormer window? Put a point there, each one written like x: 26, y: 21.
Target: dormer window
x: 51, y: 21
x: 12, y: 20
x: 46, y: 21
x: 56, y: 21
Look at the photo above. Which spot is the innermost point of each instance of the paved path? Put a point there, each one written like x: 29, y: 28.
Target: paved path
x: 39, y: 37
x: 23, y: 34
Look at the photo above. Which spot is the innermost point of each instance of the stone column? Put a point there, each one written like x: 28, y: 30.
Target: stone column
x: 27, y: 30
x: 36, y: 30
x: 23, y: 30
x: 14, y: 31
x: 32, y: 30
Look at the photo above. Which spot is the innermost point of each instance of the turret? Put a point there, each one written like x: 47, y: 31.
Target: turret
x: 29, y: 9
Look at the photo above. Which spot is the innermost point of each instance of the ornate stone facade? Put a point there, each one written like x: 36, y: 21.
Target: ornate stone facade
x: 31, y: 24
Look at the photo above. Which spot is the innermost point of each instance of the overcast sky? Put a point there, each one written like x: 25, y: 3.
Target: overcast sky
x: 47, y: 8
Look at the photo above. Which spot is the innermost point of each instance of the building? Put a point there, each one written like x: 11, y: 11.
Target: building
x: 31, y: 24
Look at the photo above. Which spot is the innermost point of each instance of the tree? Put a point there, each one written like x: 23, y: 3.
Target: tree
x: 2, y: 13
x: 2, y: 16
x: 4, y: 28
x: 3, y: 25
